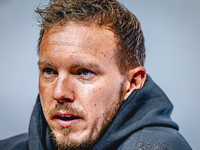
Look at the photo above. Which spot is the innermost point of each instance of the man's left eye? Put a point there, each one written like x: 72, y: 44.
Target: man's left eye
x: 84, y: 72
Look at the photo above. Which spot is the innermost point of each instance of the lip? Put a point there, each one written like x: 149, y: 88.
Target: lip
x: 65, y: 119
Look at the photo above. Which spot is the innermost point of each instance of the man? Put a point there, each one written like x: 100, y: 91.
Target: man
x: 93, y: 89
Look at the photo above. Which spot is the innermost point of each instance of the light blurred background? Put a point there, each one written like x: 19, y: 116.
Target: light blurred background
x: 172, y: 35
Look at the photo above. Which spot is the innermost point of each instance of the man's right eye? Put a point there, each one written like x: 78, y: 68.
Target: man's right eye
x: 49, y: 71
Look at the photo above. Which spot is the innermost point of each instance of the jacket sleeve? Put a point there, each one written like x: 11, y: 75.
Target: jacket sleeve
x: 155, y: 138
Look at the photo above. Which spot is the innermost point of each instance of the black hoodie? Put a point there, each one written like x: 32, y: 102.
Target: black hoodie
x: 142, y: 123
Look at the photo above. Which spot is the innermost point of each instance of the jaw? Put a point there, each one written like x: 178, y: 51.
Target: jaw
x: 81, y: 133
x: 66, y: 138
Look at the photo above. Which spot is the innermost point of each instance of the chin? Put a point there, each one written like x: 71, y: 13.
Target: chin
x: 66, y: 139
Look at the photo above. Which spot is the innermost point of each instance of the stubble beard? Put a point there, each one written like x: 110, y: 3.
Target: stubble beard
x: 89, y: 141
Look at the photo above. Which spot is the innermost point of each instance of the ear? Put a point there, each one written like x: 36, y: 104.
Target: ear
x: 135, y: 80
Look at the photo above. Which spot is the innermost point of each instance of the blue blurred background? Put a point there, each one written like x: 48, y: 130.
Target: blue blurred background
x: 172, y: 36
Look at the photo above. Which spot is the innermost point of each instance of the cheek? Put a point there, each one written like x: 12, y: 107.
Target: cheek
x: 45, y: 88
x: 98, y: 95
x: 45, y: 96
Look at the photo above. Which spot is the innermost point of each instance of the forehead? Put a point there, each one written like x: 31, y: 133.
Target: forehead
x: 80, y: 38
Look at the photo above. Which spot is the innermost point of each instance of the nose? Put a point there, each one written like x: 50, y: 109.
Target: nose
x: 63, y: 90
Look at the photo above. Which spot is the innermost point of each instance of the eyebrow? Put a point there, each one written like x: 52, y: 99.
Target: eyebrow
x: 89, y: 65
x: 94, y: 66
x: 45, y: 62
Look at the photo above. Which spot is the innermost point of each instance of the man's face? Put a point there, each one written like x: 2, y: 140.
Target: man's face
x: 80, y: 84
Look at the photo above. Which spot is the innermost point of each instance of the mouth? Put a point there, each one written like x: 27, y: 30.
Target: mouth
x: 65, y: 119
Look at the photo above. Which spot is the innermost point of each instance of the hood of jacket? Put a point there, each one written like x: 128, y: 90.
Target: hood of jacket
x: 146, y: 107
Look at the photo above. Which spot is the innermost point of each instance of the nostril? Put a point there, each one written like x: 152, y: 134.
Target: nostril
x: 63, y: 100
x: 66, y: 99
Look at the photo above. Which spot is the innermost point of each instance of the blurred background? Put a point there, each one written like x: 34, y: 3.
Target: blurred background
x: 172, y: 36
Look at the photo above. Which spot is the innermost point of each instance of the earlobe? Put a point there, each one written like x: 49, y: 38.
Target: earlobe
x: 135, y: 80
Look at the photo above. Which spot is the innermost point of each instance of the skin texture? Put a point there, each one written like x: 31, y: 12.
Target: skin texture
x: 77, y: 67
x: 79, y: 77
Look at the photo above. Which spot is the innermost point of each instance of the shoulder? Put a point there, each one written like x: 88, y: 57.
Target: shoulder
x: 154, y: 138
x: 15, y: 143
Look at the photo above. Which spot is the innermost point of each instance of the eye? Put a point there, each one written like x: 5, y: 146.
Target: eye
x: 84, y: 72
x: 49, y: 71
